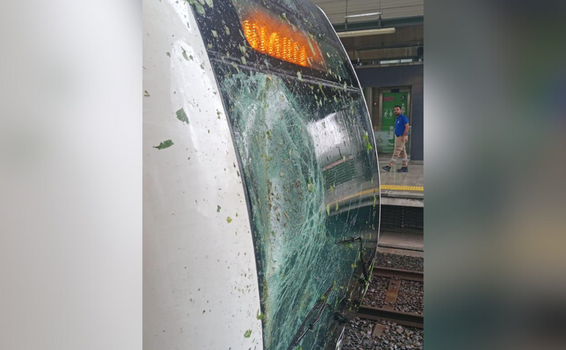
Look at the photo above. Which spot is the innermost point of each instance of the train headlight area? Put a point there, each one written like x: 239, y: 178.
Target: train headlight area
x: 263, y: 193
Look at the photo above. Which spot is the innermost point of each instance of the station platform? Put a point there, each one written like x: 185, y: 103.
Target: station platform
x: 413, y: 241
x: 402, y: 189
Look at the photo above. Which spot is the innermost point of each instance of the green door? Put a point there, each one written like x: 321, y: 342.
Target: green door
x: 390, y: 100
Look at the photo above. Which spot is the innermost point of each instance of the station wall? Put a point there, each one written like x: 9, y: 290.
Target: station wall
x: 382, y: 77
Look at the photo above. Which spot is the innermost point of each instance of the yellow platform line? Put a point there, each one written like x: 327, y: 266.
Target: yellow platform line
x: 402, y: 188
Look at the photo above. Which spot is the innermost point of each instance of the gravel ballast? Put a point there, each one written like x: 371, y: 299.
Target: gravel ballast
x: 359, y: 334
x: 395, y: 337
x: 377, y: 290
x: 402, y: 262
x: 410, y: 297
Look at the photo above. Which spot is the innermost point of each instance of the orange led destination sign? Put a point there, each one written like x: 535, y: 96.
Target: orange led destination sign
x: 278, y: 39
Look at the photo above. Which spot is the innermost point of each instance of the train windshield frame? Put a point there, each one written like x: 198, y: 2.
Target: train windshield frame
x: 309, y: 169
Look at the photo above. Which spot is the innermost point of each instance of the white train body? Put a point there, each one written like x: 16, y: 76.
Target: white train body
x: 261, y: 189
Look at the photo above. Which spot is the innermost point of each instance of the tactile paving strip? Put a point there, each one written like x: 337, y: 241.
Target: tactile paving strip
x: 402, y: 188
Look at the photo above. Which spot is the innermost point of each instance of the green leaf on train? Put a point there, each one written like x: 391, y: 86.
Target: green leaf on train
x: 164, y: 144
x: 199, y: 8
x: 182, y: 116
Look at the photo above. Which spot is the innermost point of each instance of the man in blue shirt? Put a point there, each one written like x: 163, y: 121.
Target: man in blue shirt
x: 401, y: 130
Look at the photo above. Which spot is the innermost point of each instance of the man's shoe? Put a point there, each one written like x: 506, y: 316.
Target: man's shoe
x: 403, y: 170
x: 386, y: 168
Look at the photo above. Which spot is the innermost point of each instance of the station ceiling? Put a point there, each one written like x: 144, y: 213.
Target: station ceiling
x: 336, y: 9
x: 406, y: 16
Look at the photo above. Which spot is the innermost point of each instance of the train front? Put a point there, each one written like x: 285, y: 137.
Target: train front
x: 307, y: 158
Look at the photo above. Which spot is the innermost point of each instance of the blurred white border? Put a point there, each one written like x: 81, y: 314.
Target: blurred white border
x: 71, y: 175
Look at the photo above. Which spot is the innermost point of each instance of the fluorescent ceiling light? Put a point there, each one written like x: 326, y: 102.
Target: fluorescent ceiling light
x: 364, y: 15
x: 366, y: 32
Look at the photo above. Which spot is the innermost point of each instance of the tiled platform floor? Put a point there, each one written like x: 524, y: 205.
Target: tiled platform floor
x: 402, y: 188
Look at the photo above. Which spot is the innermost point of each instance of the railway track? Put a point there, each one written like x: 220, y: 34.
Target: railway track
x: 388, y: 311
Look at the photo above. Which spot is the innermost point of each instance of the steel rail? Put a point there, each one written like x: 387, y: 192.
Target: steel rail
x: 403, y: 318
x: 401, y: 274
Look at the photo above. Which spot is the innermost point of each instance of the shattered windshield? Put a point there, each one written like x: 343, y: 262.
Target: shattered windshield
x: 294, y: 147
